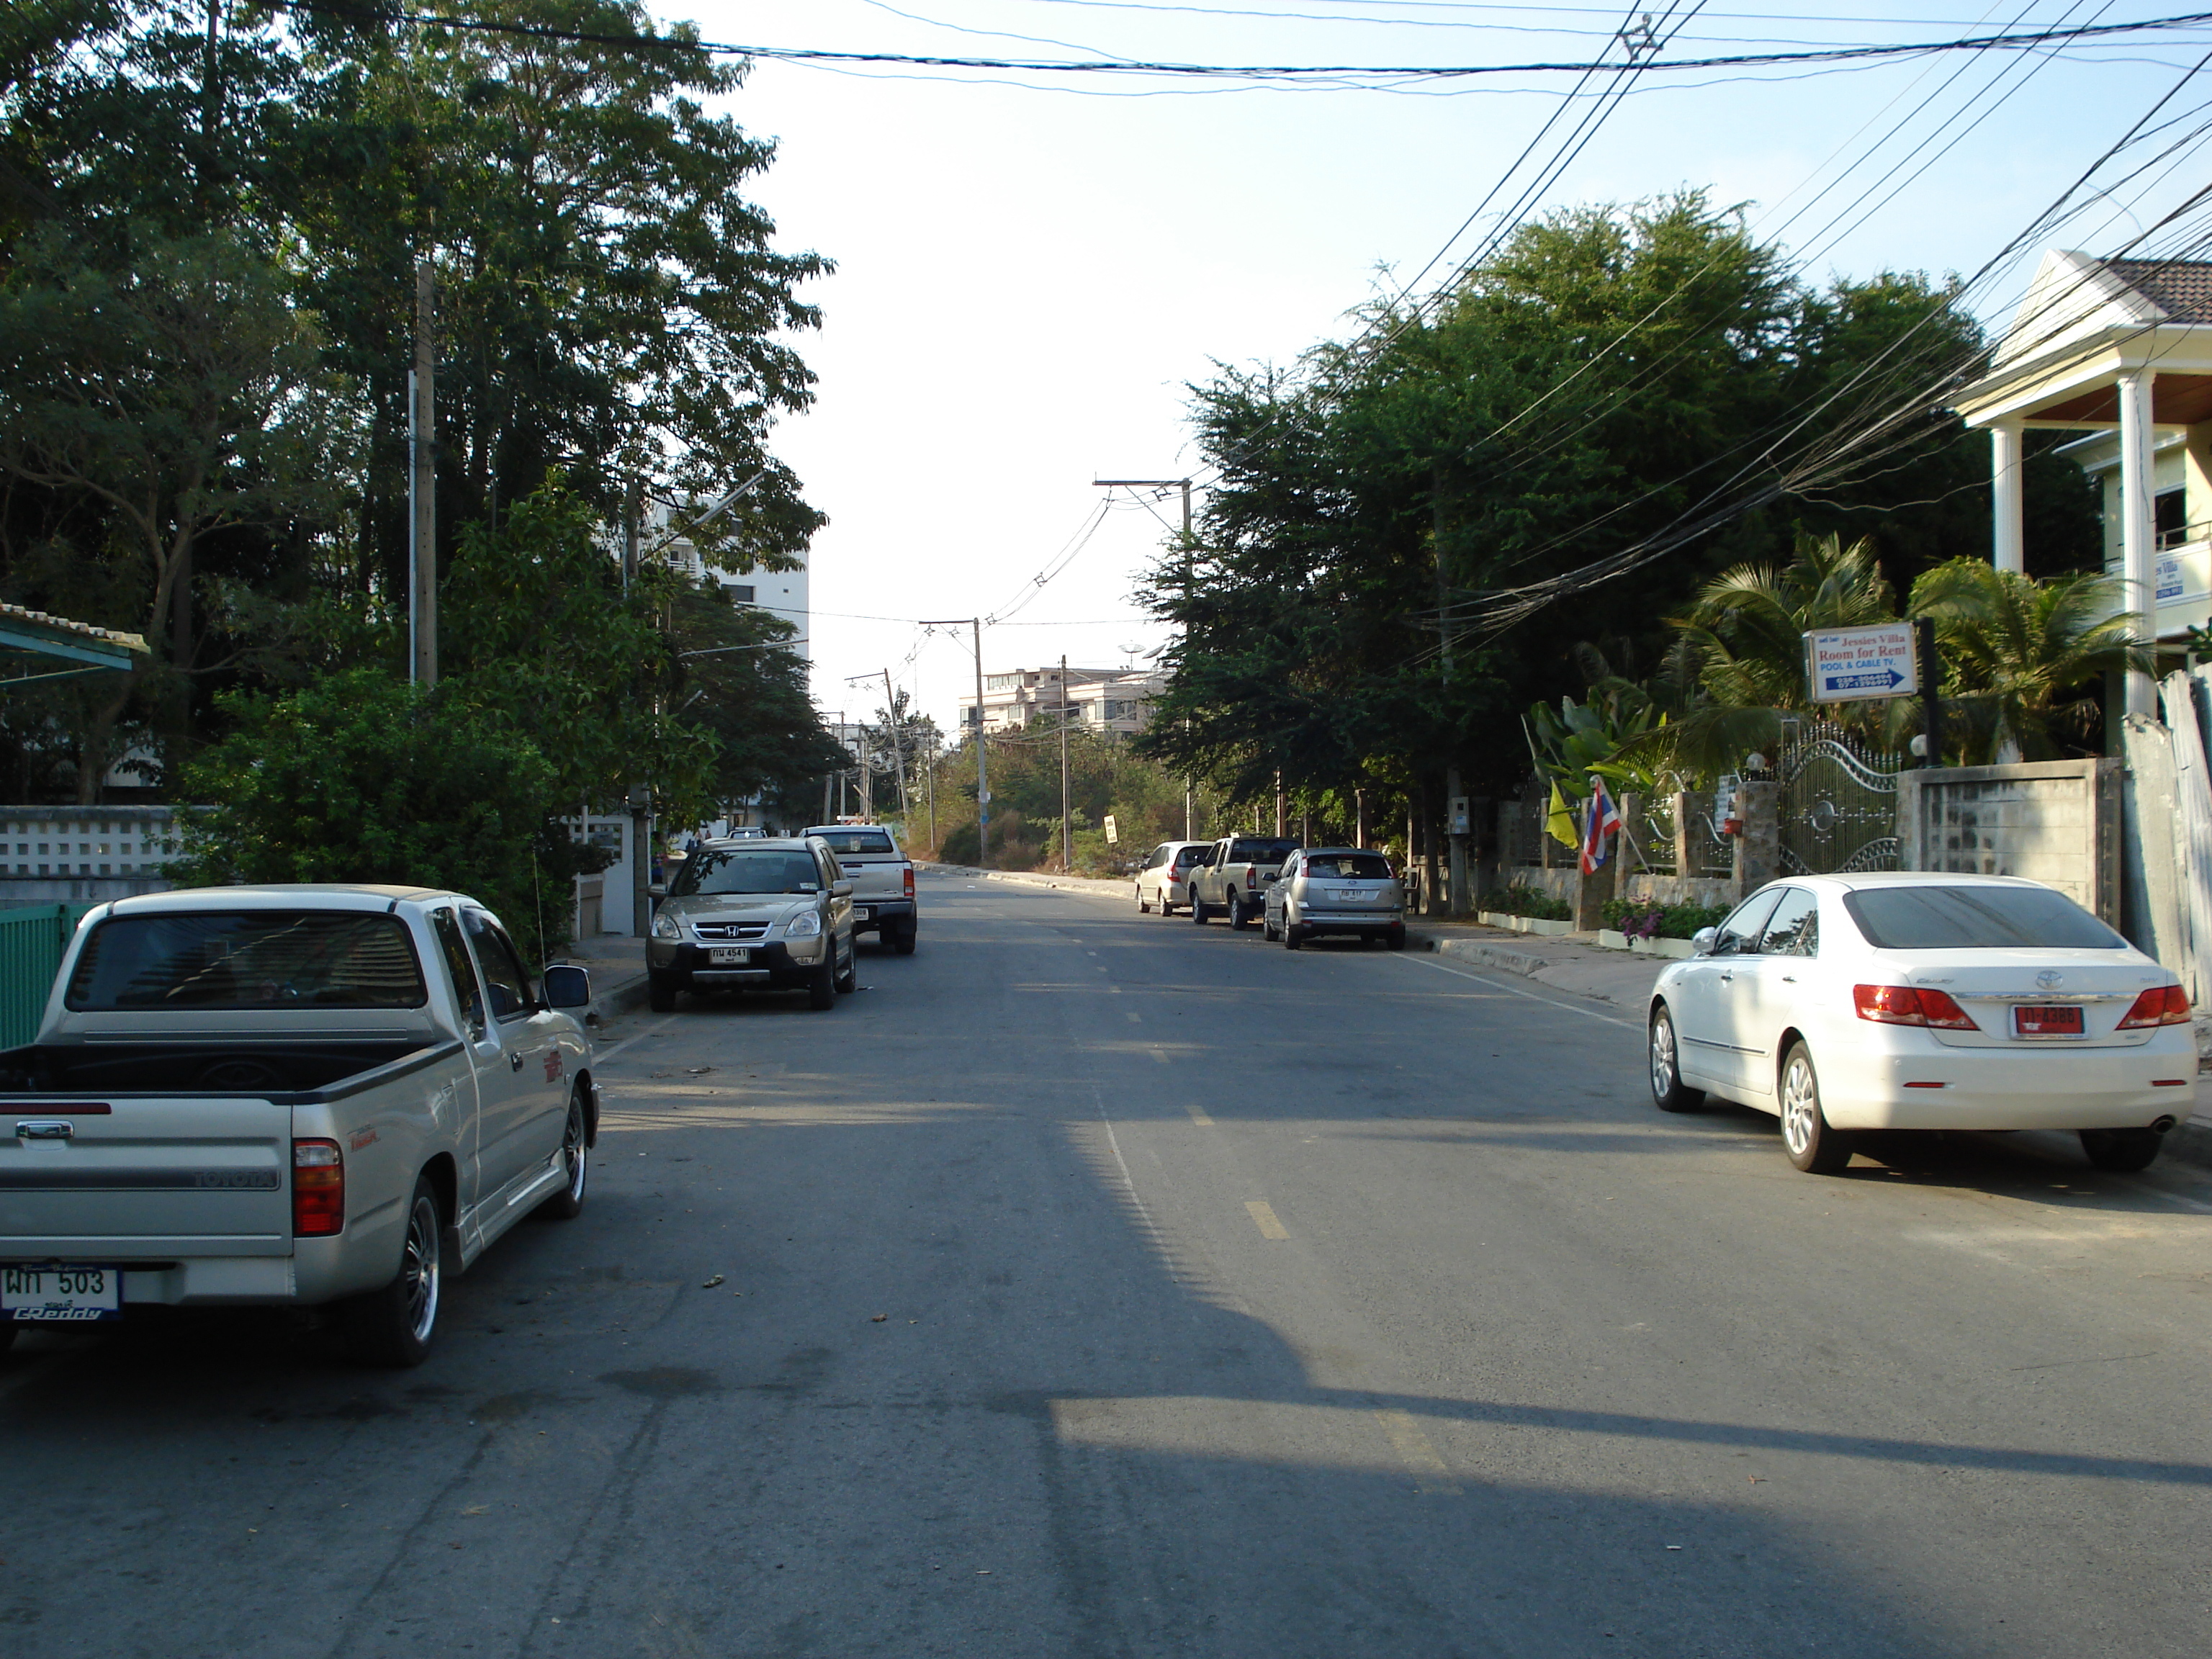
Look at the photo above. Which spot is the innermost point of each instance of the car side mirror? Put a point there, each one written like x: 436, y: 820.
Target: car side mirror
x: 567, y: 986
x: 842, y: 889
x: 658, y: 889
x: 1702, y: 941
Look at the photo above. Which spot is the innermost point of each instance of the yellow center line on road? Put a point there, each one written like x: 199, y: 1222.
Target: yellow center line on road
x: 1263, y: 1217
x: 1160, y: 1055
x: 1416, y: 1452
x: 1198, y: 1116
x: 1136, y: 1018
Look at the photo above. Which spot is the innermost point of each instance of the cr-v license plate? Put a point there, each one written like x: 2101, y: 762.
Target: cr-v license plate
x: 66, y: 1293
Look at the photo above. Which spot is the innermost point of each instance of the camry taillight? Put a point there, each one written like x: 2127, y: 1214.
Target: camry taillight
x: 318, y: 1188
x: 909, y: 881
x: 1910, y: 1005
x: 2162, y: 1005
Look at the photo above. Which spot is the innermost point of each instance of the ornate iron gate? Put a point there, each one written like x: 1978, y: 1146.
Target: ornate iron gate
x: 1838, y: 801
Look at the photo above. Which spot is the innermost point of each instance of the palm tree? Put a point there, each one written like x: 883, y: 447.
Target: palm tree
x: 1744, y: 643
x: 2022, y: 658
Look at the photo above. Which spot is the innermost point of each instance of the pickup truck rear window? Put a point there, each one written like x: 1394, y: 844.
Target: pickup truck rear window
x: 842, y: 841
x: 1261, y: 852
x: 248, y: 959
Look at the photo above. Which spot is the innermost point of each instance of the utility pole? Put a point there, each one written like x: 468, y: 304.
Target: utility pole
x: 1189, y: 783
x: 982, y: 774
x: 1456, y: 822
x: 898, y: 750
x: 422, y: 485
x: 1066, y: 822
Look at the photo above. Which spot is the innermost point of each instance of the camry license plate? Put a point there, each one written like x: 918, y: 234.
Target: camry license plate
x: 2064, y: 1020
x: 722, y: 954
x: 60, y: 1293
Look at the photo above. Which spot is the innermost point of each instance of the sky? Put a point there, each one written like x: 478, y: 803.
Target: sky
x: 1033, y: 269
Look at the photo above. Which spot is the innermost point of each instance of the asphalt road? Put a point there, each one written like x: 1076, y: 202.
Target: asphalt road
x: 1092, y: 1285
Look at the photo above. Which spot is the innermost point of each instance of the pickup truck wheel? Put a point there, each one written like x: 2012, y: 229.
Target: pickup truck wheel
x: 1238, y: 920
x: 393, y: 1326
x: 902, y: 940
x: 660, y: 993
x: 1197, y: 910
x: 822, y: 987
x: 569, y: 1203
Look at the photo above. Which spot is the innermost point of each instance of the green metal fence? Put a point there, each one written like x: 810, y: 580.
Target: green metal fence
x: 32, y: 940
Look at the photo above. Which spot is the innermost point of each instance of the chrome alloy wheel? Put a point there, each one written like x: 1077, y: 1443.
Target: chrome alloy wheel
x: 573, y: 1151
x: 1664, y: 1071
x: 418, y: 1268
x: 1801, y: 1106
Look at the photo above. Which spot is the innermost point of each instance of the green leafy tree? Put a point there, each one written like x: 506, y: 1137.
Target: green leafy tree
x: 362, y: 778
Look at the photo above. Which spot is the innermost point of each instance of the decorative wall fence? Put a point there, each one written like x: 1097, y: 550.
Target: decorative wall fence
x: 32, y: 940
x: 1837, y: 804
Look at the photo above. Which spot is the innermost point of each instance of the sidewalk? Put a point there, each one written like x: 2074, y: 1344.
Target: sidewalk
x: 617, y: 965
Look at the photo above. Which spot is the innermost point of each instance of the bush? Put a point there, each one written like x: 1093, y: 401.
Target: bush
x: 1646, y: 918
x: 1534, y: 902
x: 363, y: 778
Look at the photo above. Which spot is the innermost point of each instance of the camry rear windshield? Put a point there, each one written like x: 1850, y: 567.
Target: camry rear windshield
x: 764, y: 871
x: 1261, y: 852
x: 1349, y: 866
x: 248, y: 959
x: 1976, y: 919
x: 856, y: 840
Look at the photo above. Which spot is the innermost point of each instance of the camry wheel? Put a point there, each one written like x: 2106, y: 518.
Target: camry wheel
x: 1667, y: 1092
x: 1812, y: 1146
x: 2123, y: 1152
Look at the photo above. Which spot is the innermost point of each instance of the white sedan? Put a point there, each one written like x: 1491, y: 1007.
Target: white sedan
x: 1925, y: 1002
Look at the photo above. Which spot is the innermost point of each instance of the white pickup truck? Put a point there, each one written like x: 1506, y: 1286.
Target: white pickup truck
x: 883, y: 882
x: 1233, y: 880
x: 293, y: 1096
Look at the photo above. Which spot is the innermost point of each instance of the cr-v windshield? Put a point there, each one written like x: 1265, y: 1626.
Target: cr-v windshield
x: 746, y: 872
x: 248, y: 959
x: 1976, y: 918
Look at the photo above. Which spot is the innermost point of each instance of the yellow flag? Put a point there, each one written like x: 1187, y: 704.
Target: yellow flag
x: 1561, y: 823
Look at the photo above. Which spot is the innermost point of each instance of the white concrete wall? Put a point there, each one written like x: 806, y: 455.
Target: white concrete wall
x: 2056, y: 822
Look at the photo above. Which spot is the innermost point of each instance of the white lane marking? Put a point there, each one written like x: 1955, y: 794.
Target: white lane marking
x: 1500, y: 985
x: 606, y: 1055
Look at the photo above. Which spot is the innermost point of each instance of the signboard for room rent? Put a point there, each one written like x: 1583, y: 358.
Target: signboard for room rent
x: 1844, y: 665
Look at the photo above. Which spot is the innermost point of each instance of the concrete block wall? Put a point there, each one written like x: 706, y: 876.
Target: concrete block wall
x: 2052, y: 821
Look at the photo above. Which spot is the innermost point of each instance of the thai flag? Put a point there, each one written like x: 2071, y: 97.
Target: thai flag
x: 1603, y: 819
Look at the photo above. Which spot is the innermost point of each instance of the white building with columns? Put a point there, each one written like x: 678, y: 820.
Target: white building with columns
x: 2121, y: 351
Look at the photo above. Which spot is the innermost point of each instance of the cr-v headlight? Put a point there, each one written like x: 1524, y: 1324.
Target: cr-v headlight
x: 805, y: 925
x: 664, y: 927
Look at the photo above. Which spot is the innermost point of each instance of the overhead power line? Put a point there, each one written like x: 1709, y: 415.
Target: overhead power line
x: 2010, y: 40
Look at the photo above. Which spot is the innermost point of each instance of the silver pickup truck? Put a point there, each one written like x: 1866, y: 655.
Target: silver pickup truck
x: 291, y: 1095
x: 883, y: 882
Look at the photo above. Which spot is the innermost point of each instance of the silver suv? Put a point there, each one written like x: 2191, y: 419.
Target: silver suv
x: 1335, y: 889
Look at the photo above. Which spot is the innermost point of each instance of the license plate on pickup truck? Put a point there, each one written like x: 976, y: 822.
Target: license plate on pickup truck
x: 862, y: 913
x: 2064, y: 1020
x: 728, y: 955
x: 60, y: 1293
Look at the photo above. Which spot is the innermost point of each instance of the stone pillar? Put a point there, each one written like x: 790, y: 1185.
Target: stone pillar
x: 1591, y: 891
x: 1627, y: 852
x: 2138, y: 550
x: 1759, y: 849
x: 2005, y: 496
x: 1686, y: 857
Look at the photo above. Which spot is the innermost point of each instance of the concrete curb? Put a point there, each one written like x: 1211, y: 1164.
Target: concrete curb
x: 1500, y: 956
x: 1102, y: 887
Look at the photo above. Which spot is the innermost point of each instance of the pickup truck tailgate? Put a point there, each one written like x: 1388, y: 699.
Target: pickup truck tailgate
x: 145, y: 1178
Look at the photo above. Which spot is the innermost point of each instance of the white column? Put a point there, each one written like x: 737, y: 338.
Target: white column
x: 2005, y: 496
x: 2137, y: 549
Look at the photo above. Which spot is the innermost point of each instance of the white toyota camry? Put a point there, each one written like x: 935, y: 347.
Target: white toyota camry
x: 1925, y: 1002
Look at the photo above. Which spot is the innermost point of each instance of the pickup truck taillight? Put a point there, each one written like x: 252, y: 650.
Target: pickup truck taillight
x: 909, y: 881
x: 318, y: 1188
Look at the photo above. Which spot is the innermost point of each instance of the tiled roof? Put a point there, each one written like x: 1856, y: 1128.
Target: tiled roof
x: 19, y: 613
x: 2182, y: 289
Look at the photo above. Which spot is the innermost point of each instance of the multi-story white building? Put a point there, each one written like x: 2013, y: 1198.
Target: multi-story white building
x: 781, y: 591
x: 1116, y: 700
